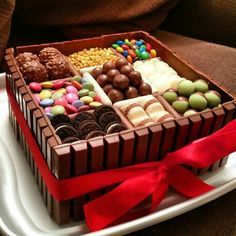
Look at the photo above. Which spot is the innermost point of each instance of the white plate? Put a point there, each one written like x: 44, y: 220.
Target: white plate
x: 22, y: 209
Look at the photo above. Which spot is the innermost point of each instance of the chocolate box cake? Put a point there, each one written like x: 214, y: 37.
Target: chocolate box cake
x: 135, y: 103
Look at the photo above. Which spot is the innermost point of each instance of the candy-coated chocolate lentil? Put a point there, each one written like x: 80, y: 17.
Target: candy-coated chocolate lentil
x: 139, y: 43
x: 35, y: 87
x: 142, y: 48
x: 84, y: 108
x: 48, y: 109
x: 132, y: 41
x: 36, y: 98
x: 95, y: 104
x: 142, y: 41
x: 137, y: 52
x: 77, y: 84
x: 119, y: 42
x: 134, y: 47
x: 47, y: 85
x: 125, y: 53
x: 45, y: 94
x: 144, y: 55
x: 114, y: 45
x: 83, y: 92
x: 125, y: 47
x: 83, y: 80
x: 56, y: 95
x: 89, y: 86
x: 61, y: 101
x: 46, y: 102
x: 129, y: 59
x: 61, y: 90
x: 78, y: 103
x: 49, y: 115
x: 67, y: 83
x: 120, y: 49
x: 153, y: 52
x: 126, y: 41
x: 86, y: 99
x: 71, y: 97
x: 148, y: 47
x: 70, y: 109
x: 132, y: 53
x: 76, y: 78
x: 56, y: 110
x: 71, y: 89
x: 58, y: 84
x: 97, y: 99
x: 92, y: 94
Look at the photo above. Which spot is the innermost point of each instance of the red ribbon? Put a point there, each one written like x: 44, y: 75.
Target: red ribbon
x: 137, y: 182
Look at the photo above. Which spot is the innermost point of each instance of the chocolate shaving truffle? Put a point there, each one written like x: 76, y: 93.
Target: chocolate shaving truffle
x: 47, y: 54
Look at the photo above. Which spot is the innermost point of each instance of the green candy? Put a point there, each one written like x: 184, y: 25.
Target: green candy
x: 197, y: 101
x: 58, y: 109
x: 213, y: 98
x: 76, y: 78
x: 201, y: 86
x: 185, y: 88
x: 144, y: 55
x: 181, y: 105
x: 92, y: 94
x: 114, y: 45
x: 88, y: 85
x: 143, y: 47
x: 56, y: 95
x: 170, y: 95
x: 137, y: 52
x: 83, y: 92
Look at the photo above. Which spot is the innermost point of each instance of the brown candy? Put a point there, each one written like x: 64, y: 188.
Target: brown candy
x: 135, y: 78
x: 144, y: 89
x: 121, y: 81
x: 102, y: 80
x: 96, y: 72
x: 108, y: 66
x: 126, y: 69
x: 111, y: 74
x: 107, y: 88
x: 120, y: 62
x: 115, y: 95
x: 131, y: 92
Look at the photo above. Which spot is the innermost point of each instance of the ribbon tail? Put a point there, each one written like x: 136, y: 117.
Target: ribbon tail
x: 186, y: 183
x: 110, y: 207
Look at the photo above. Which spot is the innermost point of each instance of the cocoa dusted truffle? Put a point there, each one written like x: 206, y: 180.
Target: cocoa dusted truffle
x: 135, y: 78
x: 131, y: 92
x: 96, y: 72
x: 120, y: 62
x: 126, y: 69
x: 144, y: 89
x: 115, y: 95
x: 58, y: 68
x: 24, y: 57
x: 47, y: 54
x: 108, y: 66
x: 111, y: 74
x: 121, y: 81
x: 34, y: 71
x: 102, y: 80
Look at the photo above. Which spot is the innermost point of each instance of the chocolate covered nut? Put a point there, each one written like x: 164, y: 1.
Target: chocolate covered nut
x: 201, y: 85
x: 121, y: 81
x: 135, y: 78
x: 126, y: 69
x: 170, y: 95
x: 108, y: 66
x: 96, y: 72
x: 47, y: 54
x: 181, y: 104
x: 24, y: 57
x: 185, y: 88
x: 86, y: 128
x: 102, y: 80
x: 111, y: 75
x: 107, y: 118
x: 131, y: 92
x: 115, y: 95
x: 213, y: 98
x: 197, y: 101
x: 144, y: 89
x: 120, y: 62
x: 107, y: 88
x: 70, y: 139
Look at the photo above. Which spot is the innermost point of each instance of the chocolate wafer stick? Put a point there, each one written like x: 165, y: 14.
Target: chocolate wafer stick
x: 182, y: 128
x: 194, y: 129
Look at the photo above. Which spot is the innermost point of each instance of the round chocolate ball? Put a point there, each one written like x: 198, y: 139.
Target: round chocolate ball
x: 170, y: 95
x: 198, y: 101
x: 96, y: 72
x: 131, y: 92
x: 180, y: 105
x: 135, y: 78
x: 121, y: 81
x: 111, y: 74
x: 115, y: 95
x: 126, y: 69
x: 107, y: 88
x: 185, y: 88
x: 120, y: 62
x: 108, y: 66
x: 102, y: 80
x: 201, y: 85
x: 144, y: 89
x: 213, y: 98
x: 189, y: 112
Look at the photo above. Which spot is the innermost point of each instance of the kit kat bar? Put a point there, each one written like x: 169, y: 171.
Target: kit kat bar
x: 167, y: 138
x: 141, y: 144
x: 79, y: 167
x: 26, y: 98
x: 18, y: 84
x: 155, y: 134
x: 41, y: 124
x: 30, y: 108
x: 22, y: 91
x: 194, y: 127
x: 126, y: 147
x: 14, y: 77
x: 47, y: 197
x: 229, y: 108
x: 182, y: 127
x: 37, y: 114
x: 61, y: 168
x: 207, y: 120
x: 95, y: 161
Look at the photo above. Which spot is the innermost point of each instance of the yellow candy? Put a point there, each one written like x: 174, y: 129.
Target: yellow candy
x: 86, y: 99
x: 61, y: 90
x: 95, y: 104
x: 120, y: 49
x: 153, y: 52
x: 45, y: 94
x: 47, y: 84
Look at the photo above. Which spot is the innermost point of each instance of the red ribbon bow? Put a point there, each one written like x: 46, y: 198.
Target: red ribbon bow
x: 137, y: 182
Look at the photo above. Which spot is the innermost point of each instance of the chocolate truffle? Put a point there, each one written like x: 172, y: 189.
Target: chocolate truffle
x: 111, y: 74
x: 121, y: 81
x: 58, y: 68
x: 201, y: 86
x: 131, y: 92
x: 144, y: 89
x: 126, y: 69
x: 120, y: 62
x: 181, y: 104
x: 115, y: 95
x: 170, y: 95
x: 34, y: 71
x: 213, y: 98
x: 47, y: 54
x: 108, y: 66
x: 102, y: 80
x: 107, y: 88
x: 185, y: 88
x: 24, y: 57
x: 96, y: 72
x: 198, y: 101
x: 135, y: 78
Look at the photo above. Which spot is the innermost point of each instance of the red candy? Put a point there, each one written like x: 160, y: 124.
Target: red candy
x: 67, y: 83
x: 97, y: 99
x: 84, y: 108
x: 58, y: 84
x: 61, y: 101
x: 70, y: 109
x: 35, y: 87
x: 132, y: 53
x: 148, y: 47
x: 125, y: 47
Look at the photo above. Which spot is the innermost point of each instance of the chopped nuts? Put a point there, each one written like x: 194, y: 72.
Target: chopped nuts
x: 92, y: 57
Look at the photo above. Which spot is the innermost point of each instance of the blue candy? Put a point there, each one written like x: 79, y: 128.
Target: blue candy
x: 119, y: 42
x: 125, y: 53
x: 78, y: 103
x: 139, y: 43
x: 46, y: 102
x: 84, y: 80
x: 49, y: 115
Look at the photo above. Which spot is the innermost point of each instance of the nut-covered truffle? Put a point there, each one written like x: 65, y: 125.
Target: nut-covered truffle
x: 121, y: 81
x: 47, y: 54
x: 115, y: 95
x: 24, y: 57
